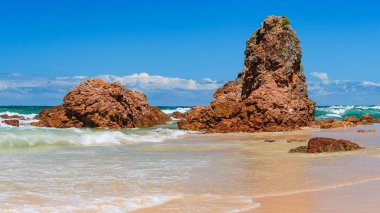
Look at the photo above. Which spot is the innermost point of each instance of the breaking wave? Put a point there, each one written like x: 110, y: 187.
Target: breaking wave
x: 170, y: 110
x: 339, y: 112
x: 33, y: 136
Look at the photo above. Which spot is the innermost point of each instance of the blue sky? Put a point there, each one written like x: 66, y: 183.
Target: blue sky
x: 178, y: 52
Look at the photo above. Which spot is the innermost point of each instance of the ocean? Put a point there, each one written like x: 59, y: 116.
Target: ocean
x: 167, y: 169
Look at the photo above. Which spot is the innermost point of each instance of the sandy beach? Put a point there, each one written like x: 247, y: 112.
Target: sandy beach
x: 338, y: 182
x: 164, y: 169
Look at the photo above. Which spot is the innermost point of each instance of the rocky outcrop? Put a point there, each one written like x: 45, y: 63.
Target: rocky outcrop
x: 12, y: 122
x: 96, y: 103
x: 6, y: 116
x: 318, y: 145
x: 347, y: 122
x: 270, y: 94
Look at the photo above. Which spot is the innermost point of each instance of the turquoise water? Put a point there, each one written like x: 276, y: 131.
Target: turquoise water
x: 322, y: 112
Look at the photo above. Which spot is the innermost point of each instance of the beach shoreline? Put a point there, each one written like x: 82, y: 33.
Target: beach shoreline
x: 163, y: 169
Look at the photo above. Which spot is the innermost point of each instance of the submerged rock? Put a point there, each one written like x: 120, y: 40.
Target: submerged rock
x: 270, y: 94
x: 96, y: 103
x: 293, y: 140
x: 364, y: 131
x: 317, y: 145
x: 300, y: 149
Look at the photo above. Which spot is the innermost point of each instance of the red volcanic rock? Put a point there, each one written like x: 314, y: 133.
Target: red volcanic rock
x: 6, y: 116
x: 352, y: 119
x: 12, y: 122
x: 270, y: 94
x: 317, y: 145
x: 178, y: 115
x: 337, y: 124
x: 364, y: 131
x: 366, y: 119
x: 347, y: 122
x: 96, y: 103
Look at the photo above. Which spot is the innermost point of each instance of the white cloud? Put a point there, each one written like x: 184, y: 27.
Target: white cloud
x: 137, y: 81
x: 370, y: 84
x: 146, y: 82
x: 321, y: 76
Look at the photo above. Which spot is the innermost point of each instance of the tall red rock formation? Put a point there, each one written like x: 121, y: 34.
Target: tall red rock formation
x: 270, y: 94
x: 96, y: 103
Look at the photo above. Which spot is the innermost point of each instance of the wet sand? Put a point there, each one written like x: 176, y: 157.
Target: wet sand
x: 362, y: 197
x: 345, y: 190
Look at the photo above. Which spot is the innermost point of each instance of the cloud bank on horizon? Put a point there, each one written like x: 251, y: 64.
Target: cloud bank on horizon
x: 19, y: 89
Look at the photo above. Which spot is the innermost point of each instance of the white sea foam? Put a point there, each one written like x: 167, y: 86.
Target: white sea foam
x: 101, y: 204
x: 179, y: 109
x: 21, y: 137
x: 28, y: 118
x: 339, y: 112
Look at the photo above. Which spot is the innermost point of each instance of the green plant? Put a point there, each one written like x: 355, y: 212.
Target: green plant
x: 293, y: 40
x: 302, y: 68
x: 283, y: 49
x: 250, y: 40
x: 285, y: 22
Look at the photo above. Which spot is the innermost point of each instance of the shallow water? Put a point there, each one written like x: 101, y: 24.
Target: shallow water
x: 166, y: 169
x: 185, y: 172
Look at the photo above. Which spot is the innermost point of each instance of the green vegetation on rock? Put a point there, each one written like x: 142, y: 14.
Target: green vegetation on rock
x: 285, y: 22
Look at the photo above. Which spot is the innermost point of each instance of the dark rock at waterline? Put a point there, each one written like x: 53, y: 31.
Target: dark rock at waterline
x: 96, y: 103
x: 12, y: 122
x: 318, y: 145
x: 300, y: 149
x: 6, y: 116
x: 270, y: 94
x: 347, y: 122
x: 269, y: 141
x: 293, y: 140
x: 178, y: 115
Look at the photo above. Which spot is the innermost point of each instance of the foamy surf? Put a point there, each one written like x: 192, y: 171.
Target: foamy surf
x: 29, y: 137
x: 170, y: 110
x: 27, y: 118
x: 339, y: 112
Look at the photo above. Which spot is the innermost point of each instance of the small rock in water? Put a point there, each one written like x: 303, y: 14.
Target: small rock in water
x: 178, y: 115
x: 300, y: 149
x: 12, y: 122
x: 318, y: 145
x: 269, y: 141
x: 364, y: 131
